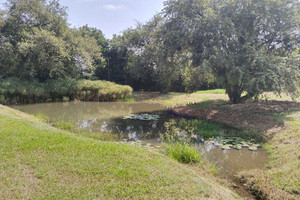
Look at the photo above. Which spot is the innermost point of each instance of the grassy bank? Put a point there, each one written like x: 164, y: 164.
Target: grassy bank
x: 208, y: 99
x: 281, y: 177
x: 276, y: 121
x: 174, y: 99
x: 14, y: 90
x: 41, y: 162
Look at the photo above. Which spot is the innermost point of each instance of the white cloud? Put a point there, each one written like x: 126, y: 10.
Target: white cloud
x: 113, y: 7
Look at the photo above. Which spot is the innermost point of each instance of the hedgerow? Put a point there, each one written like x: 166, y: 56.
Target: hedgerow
x: 14, y: 90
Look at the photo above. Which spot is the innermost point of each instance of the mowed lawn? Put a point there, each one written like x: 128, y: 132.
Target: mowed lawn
x: 38, y: 161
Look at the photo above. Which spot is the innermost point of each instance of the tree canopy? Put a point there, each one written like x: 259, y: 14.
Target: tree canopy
x: 247, y: 47
x: 248, y: 44
x: 36, y: 42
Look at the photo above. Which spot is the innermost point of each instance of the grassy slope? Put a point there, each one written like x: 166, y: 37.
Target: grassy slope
x: 285, y: 156
x: 38, y: 161
x: 281, y: 178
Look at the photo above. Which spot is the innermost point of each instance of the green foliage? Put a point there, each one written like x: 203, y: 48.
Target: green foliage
x: 14, y: 90
x: 36, y: 42
x: 238, y: 45
x: 242, y: 43
x: 177, y: 144
x: 174, y: 134
x: 183, y: 153
x: 197, y: 78
x: 202, y: 128
x: 102, y: 91
x: 139, y: 57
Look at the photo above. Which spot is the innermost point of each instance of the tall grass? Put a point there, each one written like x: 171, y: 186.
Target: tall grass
x: 14, y: 90
x: 177, y: 143
x: 183, y: 153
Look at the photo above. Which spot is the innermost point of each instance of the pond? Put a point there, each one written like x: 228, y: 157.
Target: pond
x: 116, y: 118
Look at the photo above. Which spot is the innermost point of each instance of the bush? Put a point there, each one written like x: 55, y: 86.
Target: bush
x: 14, y: 90
x: 183, y: 153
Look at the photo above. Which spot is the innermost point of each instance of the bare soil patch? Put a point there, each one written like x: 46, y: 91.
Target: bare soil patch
x: 242, y: 116
x: 268, y: 106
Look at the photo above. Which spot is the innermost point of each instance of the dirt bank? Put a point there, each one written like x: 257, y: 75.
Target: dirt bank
x: 250, y: 116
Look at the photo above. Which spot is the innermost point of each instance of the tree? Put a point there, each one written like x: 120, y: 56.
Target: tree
x: 150, y: 61
x: 42, y: 56
x: 244, y: 42
x: 36, y: 42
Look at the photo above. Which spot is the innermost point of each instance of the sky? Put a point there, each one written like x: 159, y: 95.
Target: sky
x: 110, y: 16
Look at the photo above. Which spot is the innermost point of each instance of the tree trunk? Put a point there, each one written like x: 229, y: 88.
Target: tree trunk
x: 235, y: 96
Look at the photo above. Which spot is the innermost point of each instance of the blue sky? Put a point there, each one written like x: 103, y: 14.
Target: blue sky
x: 111, y: 16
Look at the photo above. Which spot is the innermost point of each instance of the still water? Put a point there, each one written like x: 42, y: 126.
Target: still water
x: 109, y: 117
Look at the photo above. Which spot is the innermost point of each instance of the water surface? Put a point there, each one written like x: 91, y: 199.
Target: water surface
x: 108, y: 117
x: 105, y: 117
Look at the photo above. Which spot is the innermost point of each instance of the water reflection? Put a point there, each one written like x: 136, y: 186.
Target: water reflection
x: 105, y: 117
x: 230, y: 162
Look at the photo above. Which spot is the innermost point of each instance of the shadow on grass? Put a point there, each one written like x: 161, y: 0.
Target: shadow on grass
x: 254, y: 116
x: 144, y: 96
x: 279, y: 116
x: 210, y: 104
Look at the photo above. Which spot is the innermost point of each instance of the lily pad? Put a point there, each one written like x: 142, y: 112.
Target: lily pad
x: 253, y: 148
x: 218, y: 144
x: 257, y: 145
x: 144, y: 117
x: 226, y: 147
x: 227, y: 143
x: 238, y: 147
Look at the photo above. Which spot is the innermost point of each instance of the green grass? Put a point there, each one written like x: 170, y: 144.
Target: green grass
x: 38, y: 161
x: 127, y: 100
x: 215, y: 91
x: 183, y: 153
x: 210, y: 129
x: 209, y: 104
x: 203, y: 128
x: 285, y: 158
x: 176, y: 99
x: 281, y: 177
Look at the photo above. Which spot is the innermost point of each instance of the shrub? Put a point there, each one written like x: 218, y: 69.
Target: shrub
x: 14, y: 90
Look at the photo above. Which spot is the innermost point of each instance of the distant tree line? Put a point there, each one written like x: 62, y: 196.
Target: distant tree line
x: 245, y: 46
